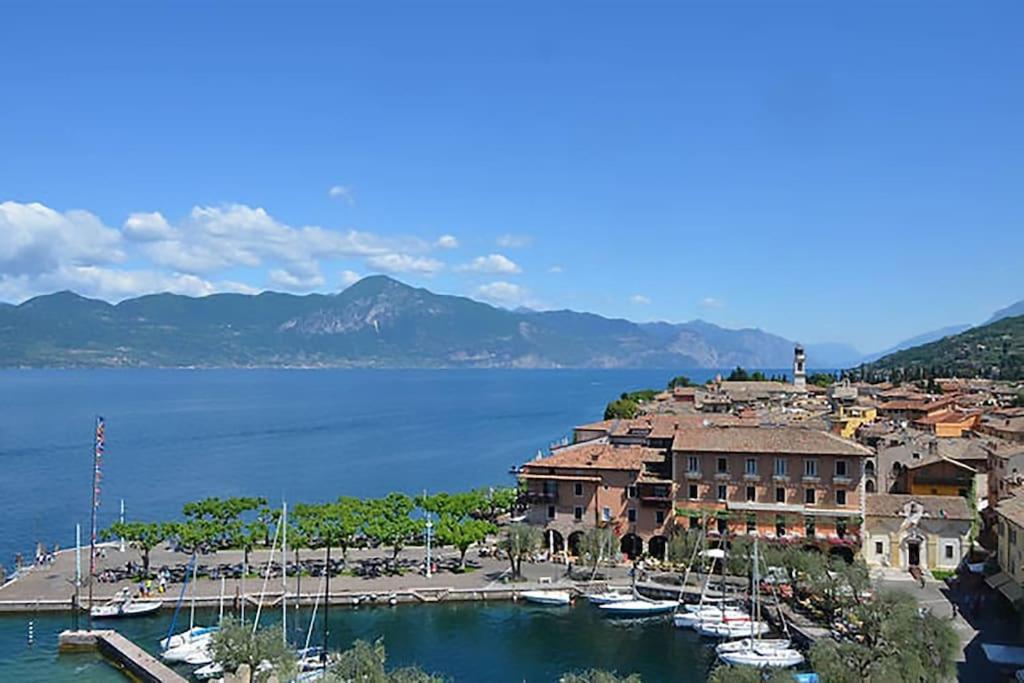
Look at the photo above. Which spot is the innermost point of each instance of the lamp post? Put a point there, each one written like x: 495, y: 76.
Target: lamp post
x: 430, y: 526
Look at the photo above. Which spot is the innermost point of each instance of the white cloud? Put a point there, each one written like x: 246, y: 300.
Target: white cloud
x: 492, y: 263
x: 294, y: 282
x: 350, y: 277
x: 711, y: 302
x: 510, y: 241
x: 405, y: 263
x: 504, y: 294
x: 639, y: 300
x: 555, y: 269
x: 147, y: 227
x: 36, y: 239
x: 447, y: 242
x: 343, y: 192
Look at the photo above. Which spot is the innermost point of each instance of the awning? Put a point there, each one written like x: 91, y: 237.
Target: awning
x: 997, y: 580
x: 1005, y: 584
x: 1004, y: 655
x: 557, y: 477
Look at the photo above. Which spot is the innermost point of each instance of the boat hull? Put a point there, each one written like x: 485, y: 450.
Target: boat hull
x: 638, y: 608
x: 132, y: 609
x: 727, y: 629
x: 547, y: 598
x: 763, y: 658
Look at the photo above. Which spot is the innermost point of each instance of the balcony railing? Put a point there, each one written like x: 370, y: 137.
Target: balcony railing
x: 540, y: 497
x: 811, y: 479
x: 751, y: 476
x: 693, y: 474
x: 723, y: 476
x: 780, y: 477
x: 842, y: 479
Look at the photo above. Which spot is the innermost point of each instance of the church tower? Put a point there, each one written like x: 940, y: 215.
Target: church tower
x: 799, y: 367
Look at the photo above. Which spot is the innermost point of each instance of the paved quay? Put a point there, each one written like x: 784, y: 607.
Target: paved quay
x: 51, y: 587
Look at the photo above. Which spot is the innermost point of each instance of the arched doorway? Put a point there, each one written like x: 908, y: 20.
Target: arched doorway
x: 553, y: 541
x: 657, y: 546
x: 869, y: 486
x: 574, y: 543
x: 632, y: 546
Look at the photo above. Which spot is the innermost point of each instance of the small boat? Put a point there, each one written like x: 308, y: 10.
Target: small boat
x: 747, y: 643
x: 637, y: 607
x: 762, y: 657
x: 608, y: 597
x: 211, y: 670
x: 194, y: 652
x: 124, y: 605
x: 200, y: 655
x: 185, y: 637
x: 541, y: 597
x: 731, y: 628
x: 708, y: 615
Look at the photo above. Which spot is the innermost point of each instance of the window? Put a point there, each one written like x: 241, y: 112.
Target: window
x: 723, y: 492
x: 550, y: 488
x: 723, y: 525
x: 631, y: 514
x: 841, y: 497
x: 631, y: 491
x: 606, y: 514
x: 577, y: 489
x: 780, y: 495
x: 751, y: 526
x: 780, y: 528
x: 551, y: 511
x: 869, y: 467
x: 577, y: 513
x: 780, y: 467
x: 879, y: 548
x: 840, y: 468
x: 949, y: 551
x: 694, y: 522
x: 691, y: 464
x: 693, y: 492
x: 751, y: 467
x: 809, y: 495
x: 809, y: 527
x: 659, y: 516
x: 751, y: 494
x: 723, y: 466
x: 810, y: 467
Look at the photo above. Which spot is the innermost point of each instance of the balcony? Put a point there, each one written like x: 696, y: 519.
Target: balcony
x: 842, y: 479
x: 693, y: 474
x: 780, y: 478
x: 811, y: 479
x: 751, y: 476
x: 722, y: 476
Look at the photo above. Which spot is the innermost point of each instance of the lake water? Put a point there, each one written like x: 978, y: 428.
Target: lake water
x: 178, y: 435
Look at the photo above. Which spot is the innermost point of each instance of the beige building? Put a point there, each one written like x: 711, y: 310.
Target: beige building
x: 908, y: 530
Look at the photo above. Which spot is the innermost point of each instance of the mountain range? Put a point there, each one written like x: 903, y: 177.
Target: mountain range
x: 376, y: 322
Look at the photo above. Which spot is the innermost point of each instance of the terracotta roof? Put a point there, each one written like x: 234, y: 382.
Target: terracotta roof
x: 603, y: 456
x: 946, y: 417
x: 892, y: 504
x: 917, y: 404
x: 743, y: 439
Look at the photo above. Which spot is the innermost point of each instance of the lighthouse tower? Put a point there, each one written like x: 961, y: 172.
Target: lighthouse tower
x: 799, y: 367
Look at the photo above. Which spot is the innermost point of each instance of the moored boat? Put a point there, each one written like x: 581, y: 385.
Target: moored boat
x: 762, y: 657
x: 638, y: 607
x: 608, y: 597
x: 708, y: 615
x: 542, y: 597
x: 124, y: 605
x: 730, y: 628
x: 748, y: 643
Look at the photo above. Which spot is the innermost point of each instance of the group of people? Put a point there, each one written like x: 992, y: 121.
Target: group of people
x: 145, y: 587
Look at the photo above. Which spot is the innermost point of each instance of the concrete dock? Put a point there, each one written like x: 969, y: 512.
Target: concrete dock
x: 122, y: 653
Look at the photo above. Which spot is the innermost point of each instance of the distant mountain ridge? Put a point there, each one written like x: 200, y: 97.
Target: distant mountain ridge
x: 376, y: 322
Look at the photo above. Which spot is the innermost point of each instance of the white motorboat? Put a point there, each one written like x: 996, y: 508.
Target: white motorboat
x: 637, y: 607
x: 608, y: 597
x: 185, y: 637
x: 193, y: 652
x: 200, y: 655
x: 211, y: 670
x: 747, y: 643
x: 124, y: 605
x: 180, y: 646
x: 708, y: 615
x: 762, y: 657
x: 731, y: 628
x: 541, y: 597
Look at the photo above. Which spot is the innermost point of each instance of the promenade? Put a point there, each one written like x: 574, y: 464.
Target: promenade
x: 51, y: 587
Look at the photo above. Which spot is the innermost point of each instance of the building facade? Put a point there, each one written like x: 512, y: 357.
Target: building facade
x: 904, y: 530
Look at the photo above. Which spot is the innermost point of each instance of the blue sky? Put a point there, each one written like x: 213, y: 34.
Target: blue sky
x: 826, y: 173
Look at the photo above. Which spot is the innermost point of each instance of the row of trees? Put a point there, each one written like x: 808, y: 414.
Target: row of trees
x: 245, y: 523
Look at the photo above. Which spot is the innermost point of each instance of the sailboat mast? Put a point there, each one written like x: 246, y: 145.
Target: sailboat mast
x: 99, y: 442
x: 284, y: 572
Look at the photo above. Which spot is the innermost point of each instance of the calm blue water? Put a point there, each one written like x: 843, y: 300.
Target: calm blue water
x: 177, y: 435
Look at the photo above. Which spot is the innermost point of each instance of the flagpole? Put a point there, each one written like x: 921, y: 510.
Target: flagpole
x: 97, y: 455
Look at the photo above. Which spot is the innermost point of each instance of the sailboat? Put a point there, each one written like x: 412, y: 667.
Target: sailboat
x: 609, y: 596
x: 178, y: 647
x: 709, y: 610
x: 637, y: 605
x: 770, y: 654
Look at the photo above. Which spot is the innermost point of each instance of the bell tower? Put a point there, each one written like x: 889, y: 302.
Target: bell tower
x: 799, y: 367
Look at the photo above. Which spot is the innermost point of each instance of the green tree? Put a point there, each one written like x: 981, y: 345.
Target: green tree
x: 224, y: 516
x: 519, y: 542
x: 196, y: 535
x: 367, y: 663
x: 142, y: 536
x: 388, y: 521
x: 497, y: 501
x: 681, y: 545
x: 725, y: 673
x: 336, y: 524
x: 621, y: 409
x: 738, y: 375
x: 235, y: 644
x: 597, y: 545
x: 598, y: 676
x: 679, y: 381
x: 893, y: 643
x: 457, y: 526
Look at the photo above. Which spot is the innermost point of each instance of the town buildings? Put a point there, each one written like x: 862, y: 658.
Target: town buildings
x: 906, y: 530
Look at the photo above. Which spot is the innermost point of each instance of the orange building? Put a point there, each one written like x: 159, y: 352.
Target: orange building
x: 777, y: 482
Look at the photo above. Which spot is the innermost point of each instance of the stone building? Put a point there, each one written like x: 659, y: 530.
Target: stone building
x: 906, y: 530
